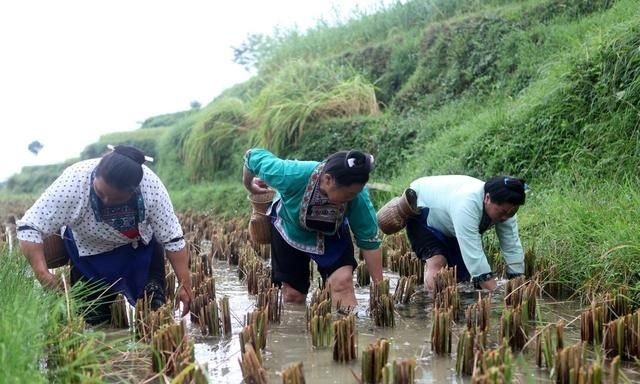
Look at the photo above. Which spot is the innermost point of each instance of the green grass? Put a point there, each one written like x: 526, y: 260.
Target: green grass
x: 25, y: 318
x: 588, y: 231
x: 582, y: 116
x: 344, y: 32
x: 144, y: 139
x: 226, y: 199
x: 220, y: 132
x: 303, y: 93
x: 33, y: 179
x: 170, y: 167
x: 167, y: 120
x: 43, y: 336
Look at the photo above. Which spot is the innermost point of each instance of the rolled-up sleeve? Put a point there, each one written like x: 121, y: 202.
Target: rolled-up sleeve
x: 288, y: 177
x: 363, y: 221
x: 511, y: 246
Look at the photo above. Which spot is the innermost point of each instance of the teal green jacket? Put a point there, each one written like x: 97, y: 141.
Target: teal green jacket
x: 293, y: 180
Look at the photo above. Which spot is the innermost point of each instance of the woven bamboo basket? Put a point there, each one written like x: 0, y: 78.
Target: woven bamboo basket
x: 260, y: 228
x: 260, y: 222
x: 54, y: 252
x: 392, y: 217
x: 261, y: 202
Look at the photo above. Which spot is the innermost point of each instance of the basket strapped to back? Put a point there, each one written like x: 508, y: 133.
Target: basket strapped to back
x: 392, y: 217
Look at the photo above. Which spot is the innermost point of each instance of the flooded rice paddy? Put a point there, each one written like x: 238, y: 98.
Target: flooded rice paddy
x: 290, y: 342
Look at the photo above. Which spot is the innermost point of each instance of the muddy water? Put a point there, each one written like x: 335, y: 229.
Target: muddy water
x: 289, y: 341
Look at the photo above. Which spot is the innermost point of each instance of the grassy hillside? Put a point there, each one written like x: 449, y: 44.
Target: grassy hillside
x: 544, y: 89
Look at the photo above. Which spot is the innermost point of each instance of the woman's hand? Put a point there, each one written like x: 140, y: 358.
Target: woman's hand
x: 180, y: 263
x: 34, y: 252
x: 185, y: 296
x: 258, y: 186
x: 49, y: 280
x: 253, y: 184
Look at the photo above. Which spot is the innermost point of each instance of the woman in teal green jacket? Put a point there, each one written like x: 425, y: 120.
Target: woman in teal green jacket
x: 315, y: 209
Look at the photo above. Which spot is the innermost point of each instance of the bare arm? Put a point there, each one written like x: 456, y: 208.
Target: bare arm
x: 373, y: 258
x: 34, y: 252
x: 180, y: 263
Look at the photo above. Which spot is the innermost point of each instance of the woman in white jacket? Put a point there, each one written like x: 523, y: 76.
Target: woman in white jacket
x: 455, y: 211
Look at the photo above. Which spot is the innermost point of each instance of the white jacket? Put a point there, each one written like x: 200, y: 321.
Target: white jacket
x: 455, y: 205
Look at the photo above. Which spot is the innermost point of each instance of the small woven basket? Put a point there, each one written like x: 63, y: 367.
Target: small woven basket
x: 392, y: 217
x: 260, y: 222
x: 261, y: 202
x: 54, y: 252
x: 260, y: 228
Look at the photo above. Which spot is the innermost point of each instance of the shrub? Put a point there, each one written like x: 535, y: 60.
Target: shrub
x: 303, y: 93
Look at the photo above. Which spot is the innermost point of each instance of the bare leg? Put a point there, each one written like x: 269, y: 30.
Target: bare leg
x: 433, y: 265
x: 291, y: 295
x: 342, y: 290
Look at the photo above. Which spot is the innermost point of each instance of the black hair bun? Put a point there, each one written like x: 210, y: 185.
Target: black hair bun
x: 515, y: 183
x: 358, y: 160
x: 131, y: 152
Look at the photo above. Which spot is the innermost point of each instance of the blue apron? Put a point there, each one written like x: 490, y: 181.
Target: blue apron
x: 454, y: 255
x: 334, y: 246
x: 124, y: 269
